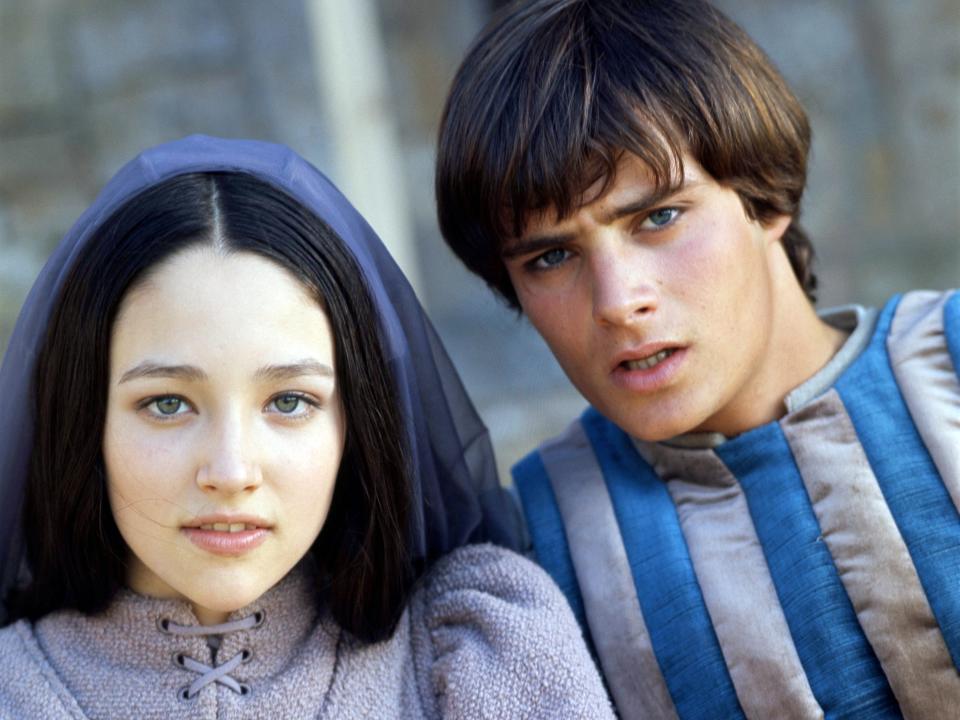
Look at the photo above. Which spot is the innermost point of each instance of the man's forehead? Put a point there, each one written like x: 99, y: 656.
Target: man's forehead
x: 633, y: 186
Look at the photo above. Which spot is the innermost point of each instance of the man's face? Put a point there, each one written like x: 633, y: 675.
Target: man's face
x: 659, y: 309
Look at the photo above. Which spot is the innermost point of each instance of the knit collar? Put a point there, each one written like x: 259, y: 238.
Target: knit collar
x: 130, y: 647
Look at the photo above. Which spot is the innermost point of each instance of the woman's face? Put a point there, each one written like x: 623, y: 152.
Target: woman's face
x: 224, y: 430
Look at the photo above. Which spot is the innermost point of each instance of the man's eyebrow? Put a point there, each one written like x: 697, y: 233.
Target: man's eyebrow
x: 530, y: 245
x: 155, y: 370
x: 647, y: 201
x: 541, y: 243
x: 288, y: 371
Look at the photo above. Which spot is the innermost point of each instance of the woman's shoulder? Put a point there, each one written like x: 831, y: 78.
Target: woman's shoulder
x: 20, y: 657
x: 490, y: 569
x: 29, y: 687
x: 500, y: 640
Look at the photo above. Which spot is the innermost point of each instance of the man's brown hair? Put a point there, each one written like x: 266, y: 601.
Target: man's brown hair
x: 553, y: 92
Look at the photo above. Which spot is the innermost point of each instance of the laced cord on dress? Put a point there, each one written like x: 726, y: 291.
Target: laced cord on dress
x: 215, y: 673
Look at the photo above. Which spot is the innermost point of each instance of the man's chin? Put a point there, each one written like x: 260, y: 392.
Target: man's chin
x: 651, y: 427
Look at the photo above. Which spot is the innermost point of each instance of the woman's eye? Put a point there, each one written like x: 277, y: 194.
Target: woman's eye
x: 168, y: 405
x: 551, y: 259
x: 287, y: 403
x: 165, y: 407
x: 660, y: 218
x: 292, y: 404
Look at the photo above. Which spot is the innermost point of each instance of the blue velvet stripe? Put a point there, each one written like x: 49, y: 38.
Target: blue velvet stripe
x: 844, y: 673
x: 681, y: 633
x: 919, y: 502
x: 546, y: 530
x: 951, y: 329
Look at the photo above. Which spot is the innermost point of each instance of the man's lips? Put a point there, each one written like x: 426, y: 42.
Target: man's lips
x: 649, y: 368
x: 644, y: 357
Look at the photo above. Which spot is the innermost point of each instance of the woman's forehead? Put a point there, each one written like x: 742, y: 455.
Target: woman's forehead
x: 211, y: 306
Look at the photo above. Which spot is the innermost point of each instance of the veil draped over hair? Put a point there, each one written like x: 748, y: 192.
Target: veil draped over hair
x: 457, y: 498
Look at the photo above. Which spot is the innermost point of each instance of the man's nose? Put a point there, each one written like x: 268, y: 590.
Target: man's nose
x: 624, y: 291
x: 230, y: 464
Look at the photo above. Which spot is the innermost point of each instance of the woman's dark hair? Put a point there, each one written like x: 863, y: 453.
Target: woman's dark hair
x: 553, y: 92
x: 75, y: 552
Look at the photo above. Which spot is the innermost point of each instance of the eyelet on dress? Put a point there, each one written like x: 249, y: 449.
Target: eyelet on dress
x: 178, y: 659
x: 244, y: 689
x: 259, y: 616
x: 183, y: 694
x: 246, y: 655
x: 163, y: 625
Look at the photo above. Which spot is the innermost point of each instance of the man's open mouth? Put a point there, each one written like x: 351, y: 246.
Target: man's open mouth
x: 649, y: 361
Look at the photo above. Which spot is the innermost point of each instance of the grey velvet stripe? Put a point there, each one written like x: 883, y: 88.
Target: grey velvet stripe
x: 928, y: 381
x: 872, y: 559
x: 737, y: 588
x: 606, y: 583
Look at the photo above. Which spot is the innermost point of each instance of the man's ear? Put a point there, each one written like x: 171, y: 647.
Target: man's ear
x: 775, y: 227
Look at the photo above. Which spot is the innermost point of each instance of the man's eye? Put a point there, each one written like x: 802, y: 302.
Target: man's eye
x: 551, y: 258
x: 660, y: 218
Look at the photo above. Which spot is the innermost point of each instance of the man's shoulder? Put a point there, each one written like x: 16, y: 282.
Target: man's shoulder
x: 575, y: 439
x: 575, y: 456
x: 563, y: 491
x: 924, y: 331
x: 939, y: 307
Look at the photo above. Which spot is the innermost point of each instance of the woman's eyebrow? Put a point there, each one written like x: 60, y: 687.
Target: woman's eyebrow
x: 285, y: 371
x: 293, y: 370
x: 154, y: 370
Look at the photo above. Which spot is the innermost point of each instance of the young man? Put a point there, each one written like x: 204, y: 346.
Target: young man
x: 757, y: 517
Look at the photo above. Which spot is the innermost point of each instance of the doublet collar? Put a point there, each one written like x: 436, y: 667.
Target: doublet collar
x: 858, y: 321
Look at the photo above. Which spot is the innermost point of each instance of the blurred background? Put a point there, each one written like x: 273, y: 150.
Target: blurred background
x: 357, y: 86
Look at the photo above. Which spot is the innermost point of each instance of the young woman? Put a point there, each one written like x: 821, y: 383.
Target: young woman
x: 241, y: 478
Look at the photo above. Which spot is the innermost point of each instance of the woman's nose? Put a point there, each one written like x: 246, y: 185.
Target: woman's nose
x: 230, y: 464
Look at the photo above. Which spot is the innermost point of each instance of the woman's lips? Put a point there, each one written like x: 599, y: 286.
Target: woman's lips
x: 225, y: 542
x: 650, y: 374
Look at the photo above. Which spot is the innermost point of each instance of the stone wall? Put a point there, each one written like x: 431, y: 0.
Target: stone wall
x: 881, y: 82
x: 84, y: 84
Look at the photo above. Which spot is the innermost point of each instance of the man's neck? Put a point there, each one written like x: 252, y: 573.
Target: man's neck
x: 799, y: 345
x: 856, y: 323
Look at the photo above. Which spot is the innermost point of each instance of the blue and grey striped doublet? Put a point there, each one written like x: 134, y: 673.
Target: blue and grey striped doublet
x: 808, y: 568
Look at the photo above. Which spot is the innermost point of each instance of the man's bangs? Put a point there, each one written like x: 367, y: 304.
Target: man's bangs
x: 563, y: 179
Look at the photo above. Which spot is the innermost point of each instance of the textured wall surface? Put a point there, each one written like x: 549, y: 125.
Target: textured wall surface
x: 881, y: 82
x: 84, y: 84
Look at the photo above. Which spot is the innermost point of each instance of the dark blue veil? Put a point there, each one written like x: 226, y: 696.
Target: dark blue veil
x: 457, y: 496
